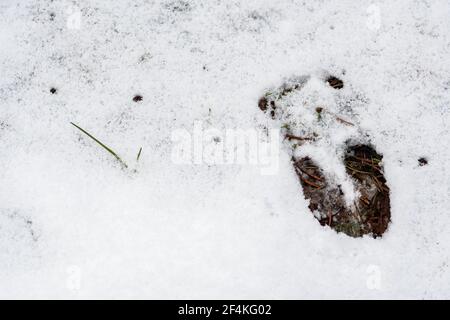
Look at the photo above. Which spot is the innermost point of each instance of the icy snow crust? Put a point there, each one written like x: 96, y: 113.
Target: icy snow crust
x: 74, y: 224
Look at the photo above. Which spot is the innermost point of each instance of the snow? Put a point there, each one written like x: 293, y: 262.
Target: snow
x: 74, y: 224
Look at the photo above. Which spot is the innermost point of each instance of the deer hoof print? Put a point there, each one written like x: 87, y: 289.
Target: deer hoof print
x: 338, y: 167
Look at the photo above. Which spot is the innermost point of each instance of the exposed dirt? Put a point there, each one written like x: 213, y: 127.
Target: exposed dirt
x: 372, y: 209
x: 137, y: 98
x: 264, y: 104
x: 370, y: 214
x: 422, y: 161
x: 335, y: 82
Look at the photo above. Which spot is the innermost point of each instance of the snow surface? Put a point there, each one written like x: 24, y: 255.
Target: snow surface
x: 73, y: 224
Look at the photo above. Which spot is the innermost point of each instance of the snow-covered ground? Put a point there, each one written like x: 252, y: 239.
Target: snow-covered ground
x: 75, y: 224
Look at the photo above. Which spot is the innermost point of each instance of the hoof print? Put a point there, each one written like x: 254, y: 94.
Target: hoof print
x: 367, y: 211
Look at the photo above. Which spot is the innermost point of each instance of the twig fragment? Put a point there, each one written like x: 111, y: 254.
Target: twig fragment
x: 293, y: 137
x: 312, y: 184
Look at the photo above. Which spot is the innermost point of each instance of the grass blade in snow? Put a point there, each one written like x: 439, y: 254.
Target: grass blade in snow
x: 101, y: 144
x: 139, y: 154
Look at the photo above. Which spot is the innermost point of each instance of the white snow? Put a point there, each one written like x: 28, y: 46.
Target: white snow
x: 74, y: 224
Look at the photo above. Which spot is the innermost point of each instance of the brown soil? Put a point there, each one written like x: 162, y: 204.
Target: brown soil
x: 422, y: 161
x: 137, y: 98
x: 370, y: 214
x: 335, y: 82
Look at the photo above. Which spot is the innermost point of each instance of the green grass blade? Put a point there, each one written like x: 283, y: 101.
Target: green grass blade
x: 139, y: 154
x: 101, y: 144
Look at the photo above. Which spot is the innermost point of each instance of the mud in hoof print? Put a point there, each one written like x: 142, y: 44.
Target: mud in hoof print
x: 321, y: 131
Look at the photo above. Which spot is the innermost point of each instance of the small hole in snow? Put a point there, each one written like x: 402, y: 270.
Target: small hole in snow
x: 335, y: 82
x: 137, y: 98
x: 422, y: 161
x: 53, y: 90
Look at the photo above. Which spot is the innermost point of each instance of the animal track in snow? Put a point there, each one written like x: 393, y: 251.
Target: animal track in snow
x: 340, y: 172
